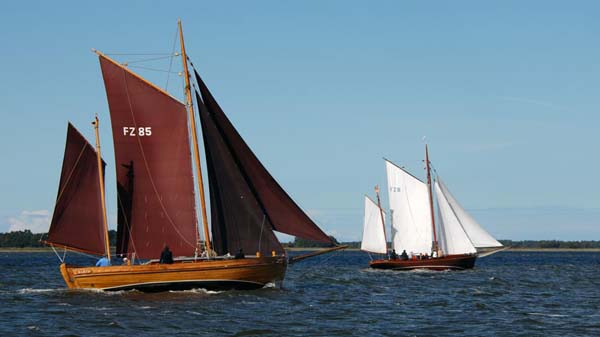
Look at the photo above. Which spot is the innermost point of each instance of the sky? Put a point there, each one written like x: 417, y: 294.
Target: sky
x: 505, y: 92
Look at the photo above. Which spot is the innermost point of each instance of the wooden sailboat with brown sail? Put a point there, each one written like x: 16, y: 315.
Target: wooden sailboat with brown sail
x: 156, y: 203
x: 454, y: 244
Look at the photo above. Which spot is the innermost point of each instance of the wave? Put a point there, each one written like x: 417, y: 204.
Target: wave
x: 106, y: 293
x: 546, y: 315
x: 195, y: 313
x: 270, y: 285
x: 197, y: 291
x: 39, y: 291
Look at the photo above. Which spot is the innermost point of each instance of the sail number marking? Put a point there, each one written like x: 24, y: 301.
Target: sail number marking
x: 140, y: 131
x: 395, y: 189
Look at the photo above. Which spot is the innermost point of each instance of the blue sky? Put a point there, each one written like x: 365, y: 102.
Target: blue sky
x: 506, y: 93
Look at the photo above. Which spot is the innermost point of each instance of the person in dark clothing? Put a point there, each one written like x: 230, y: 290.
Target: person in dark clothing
x: 240, y: 254
x: 394, y: 255
x: 404, y: 256
x: 166, y: 256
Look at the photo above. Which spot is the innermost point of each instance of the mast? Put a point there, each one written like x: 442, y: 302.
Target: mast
x: 188, y: 95
x: 96, y: 124
x: 434, y: 244
x: 382, y: 217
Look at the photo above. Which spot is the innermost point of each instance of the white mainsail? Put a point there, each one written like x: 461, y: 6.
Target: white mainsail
x: 453, y: 239
x: 478, y: 236
x: 409, y: 206
x: 373, y: 239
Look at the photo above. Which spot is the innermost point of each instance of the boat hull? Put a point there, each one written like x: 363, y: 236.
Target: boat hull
x: 218, y: 274
x: 449, y: 262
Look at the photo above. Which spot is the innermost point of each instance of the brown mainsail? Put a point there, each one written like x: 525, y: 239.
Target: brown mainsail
x: 247, y: 204
x: 153, y: 165
x: 77, y: 221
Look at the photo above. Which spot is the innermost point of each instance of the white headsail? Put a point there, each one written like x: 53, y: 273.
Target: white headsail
x: 409, y: 205
x: 478, y: 236
x: 452, y: 239
x: 373, y: 239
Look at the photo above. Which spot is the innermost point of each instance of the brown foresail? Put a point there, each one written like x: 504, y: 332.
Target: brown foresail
x: 77, y: 220
x: 275, y: 205
x: 154, y: 172
x: 237, y: 217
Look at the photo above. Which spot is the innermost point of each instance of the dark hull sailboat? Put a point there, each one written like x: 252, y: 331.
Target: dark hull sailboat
x: 414, y: 228
x: 448, y: 262
x: 152, y: 132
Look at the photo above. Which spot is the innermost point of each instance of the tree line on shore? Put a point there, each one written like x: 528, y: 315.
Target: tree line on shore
x: 27, y: 239
x: 544, y: 244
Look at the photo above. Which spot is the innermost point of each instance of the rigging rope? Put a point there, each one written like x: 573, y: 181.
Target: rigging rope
x: 150, y: 59
x: 126, y: 223
x: 319, y: 266
x: 54, y: 250
x: 154, y: 69
x: 173, y: 54
x: 135, y: 54
x: 262, y: 226
x: 62, y: 260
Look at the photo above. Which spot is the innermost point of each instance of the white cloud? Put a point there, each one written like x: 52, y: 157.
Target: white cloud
x: 41, y: 212
x: 36, y: 221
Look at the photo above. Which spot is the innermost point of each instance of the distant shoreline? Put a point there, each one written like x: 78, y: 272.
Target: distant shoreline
x: 298, y: 249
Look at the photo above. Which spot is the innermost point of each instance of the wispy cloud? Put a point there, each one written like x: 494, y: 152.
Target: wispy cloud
x: 42, y: 212
x: 488, y: 147
x: 36, y: 221
x: 531, y: 101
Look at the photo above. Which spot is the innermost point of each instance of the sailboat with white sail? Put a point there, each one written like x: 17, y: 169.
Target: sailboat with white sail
x: 454, y: 243
x: 154, y: 137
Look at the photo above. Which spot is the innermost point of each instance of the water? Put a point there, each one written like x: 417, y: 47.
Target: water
x: 507, y: 294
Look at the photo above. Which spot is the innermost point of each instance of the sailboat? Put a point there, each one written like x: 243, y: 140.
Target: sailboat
x: 154, y: 136
x: 454, y: 244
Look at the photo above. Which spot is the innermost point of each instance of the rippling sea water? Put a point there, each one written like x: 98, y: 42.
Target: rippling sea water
x: 507, y: 294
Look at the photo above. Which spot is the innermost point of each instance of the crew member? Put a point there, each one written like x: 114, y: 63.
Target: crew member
x: 166, y: 256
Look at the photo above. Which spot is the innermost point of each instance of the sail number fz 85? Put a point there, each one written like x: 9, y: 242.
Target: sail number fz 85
x: 139, y: 131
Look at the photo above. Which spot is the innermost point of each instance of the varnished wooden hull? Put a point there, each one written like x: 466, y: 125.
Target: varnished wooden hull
x: 450, y: 262
x: 218, y: 274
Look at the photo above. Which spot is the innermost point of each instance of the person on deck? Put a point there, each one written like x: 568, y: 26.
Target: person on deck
x: 393, y: 255
x: 166, y: 257
x: 103, y: 262
x: 404, y: 256
x: 240, y: 254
